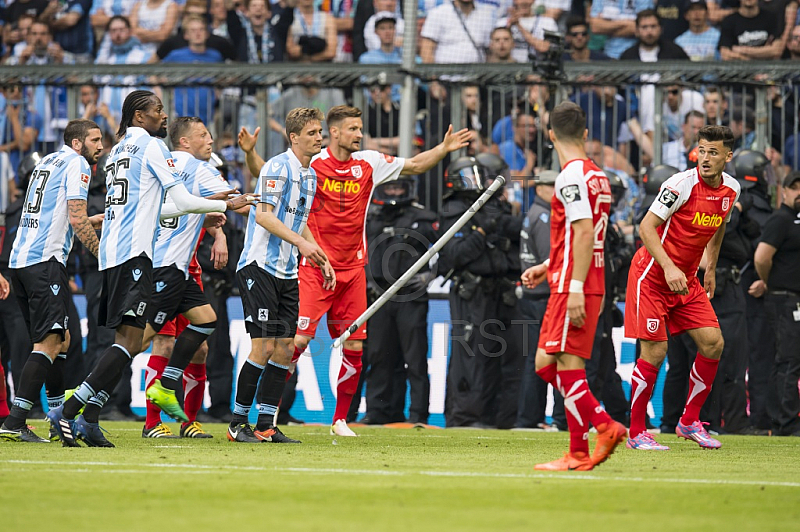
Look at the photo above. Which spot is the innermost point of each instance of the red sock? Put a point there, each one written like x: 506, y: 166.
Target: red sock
x: 700, y: 380
x: 4, y: 412
x: 642, y: 382
x: 581, y: 408
x: 295, y: 357
x: 548, y: 374
x: 194, y: 389
x: 347, y: 384
x: 155, y: 367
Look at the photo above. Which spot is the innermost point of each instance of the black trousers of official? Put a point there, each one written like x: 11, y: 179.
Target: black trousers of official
x: 784, y: 405
x: 486, y: 362
x: 398, y: 336
x: 727, y: 403
x: 761, y: 358
x: 601, y: 371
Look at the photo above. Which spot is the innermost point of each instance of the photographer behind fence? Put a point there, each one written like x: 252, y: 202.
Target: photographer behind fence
x: 399, y: 231
x: 483, y: 261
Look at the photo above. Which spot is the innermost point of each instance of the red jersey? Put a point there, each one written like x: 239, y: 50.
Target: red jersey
x: 339, y: 212
x: 582, y: 192
x: 693, y: 212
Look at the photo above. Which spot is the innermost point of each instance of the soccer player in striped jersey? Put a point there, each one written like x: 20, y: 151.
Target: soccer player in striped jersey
x: 54, y: 211
x: 176, y: 292
x: 576, y: 274
x: 267, y: 274
x: 347, y: 176
x: 685, y: 223
x: 138, y: 172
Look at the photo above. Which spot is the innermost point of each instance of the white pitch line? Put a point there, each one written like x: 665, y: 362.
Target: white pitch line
x: 378, y: 472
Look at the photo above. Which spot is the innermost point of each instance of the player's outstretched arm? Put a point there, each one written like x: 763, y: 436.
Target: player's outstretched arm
x: 582, y: 249
x: 82, y: 226
x: 426, y: 160
x: 675, y: 278
x: 712, y: 255
x: 247, y: 143
x: 185, y: 202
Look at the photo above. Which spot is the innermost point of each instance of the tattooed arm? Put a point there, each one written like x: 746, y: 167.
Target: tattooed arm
x: 82, y: 226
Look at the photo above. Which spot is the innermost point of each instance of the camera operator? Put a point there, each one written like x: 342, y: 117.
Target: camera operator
x: 486, y: 357
x: 399, y: 232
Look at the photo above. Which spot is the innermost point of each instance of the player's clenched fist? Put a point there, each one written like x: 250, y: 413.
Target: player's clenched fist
x: 676, y: 280
x: 534, y: 275
x: 312, y: 252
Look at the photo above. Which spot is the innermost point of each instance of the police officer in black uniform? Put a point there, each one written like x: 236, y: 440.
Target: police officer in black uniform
x: 399, y: 231
x: 483, y: 260
x: 535, y: 249
x: 777, y: 261
x: 754, y: 173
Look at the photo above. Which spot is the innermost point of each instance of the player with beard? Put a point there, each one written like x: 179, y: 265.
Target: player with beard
x: 138, y: 172
x: 54, y: 211
x: 346, y: 178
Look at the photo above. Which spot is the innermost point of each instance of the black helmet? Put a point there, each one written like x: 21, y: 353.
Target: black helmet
x: 655, y: 177
x: 396, y: 193
x: 618, y: 185
x: 494, y: 164
x: 465, y: 174
x: 750, y: 169
x: 218, y: 161
x: 25, y: 168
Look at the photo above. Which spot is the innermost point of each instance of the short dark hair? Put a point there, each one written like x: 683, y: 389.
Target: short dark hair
x: 340, y: 112
x: 500, y: 28
x: 575, y: 20
x: 124, y: 20
x: 78, y: 130
x: 693, y: 114
x: 180, y: 128
x: 647, y: 13
x: 42, y: 23
x: 715, y: 133
x: 568, y: 121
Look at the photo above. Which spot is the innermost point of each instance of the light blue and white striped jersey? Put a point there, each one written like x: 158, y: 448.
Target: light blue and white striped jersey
x: 289, y: 188
x: 44, y: 229
x: 138, y: 171
x: 177, y: 237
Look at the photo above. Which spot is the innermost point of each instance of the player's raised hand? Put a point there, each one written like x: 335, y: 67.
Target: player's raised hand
x: 676, y: 280
x: 4, y: 288
x: 312, y: 252
x: 214, y: 219
x: 710, y: 283
x: 247, y: 142
x: 576, y: 308
x: 456, y: 141
x: 328, y: 277
x: 534, y: 275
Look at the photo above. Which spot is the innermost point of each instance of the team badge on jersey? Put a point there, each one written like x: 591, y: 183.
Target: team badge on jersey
x: 726, y: 202
x: 303, y: 322
x: 668, y: 197
x: 263, y: 314
x: 652, y: 325
x: 356, y: 171
x: 571, y: 193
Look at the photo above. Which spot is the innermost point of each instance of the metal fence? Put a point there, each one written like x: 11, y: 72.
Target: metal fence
x: 636, y: 111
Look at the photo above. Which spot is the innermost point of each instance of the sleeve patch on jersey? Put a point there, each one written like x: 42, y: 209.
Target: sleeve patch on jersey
x: 271, y: 184
x: 389, y: 158
x: 571, y: 193
x: 544, y: 217
x: 85, y: 178
x: 668, y: 197
x: 170, y: 163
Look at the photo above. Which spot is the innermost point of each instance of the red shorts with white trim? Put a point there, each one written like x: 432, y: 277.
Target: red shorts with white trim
x: 343, y: 305
x: 175, y: 327
x: 651, y: 310
x: 558, y: 335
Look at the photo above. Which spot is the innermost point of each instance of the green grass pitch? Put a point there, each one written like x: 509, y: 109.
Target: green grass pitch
x: 393, y: 479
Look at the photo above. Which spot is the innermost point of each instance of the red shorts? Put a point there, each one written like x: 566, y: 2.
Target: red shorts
x: 175, y: 327
x: 557, y: 335
x: 343, y: 305
x: 649, y: 307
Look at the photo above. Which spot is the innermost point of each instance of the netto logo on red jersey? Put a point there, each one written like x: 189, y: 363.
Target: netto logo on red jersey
x: 346, y: 187
x: 707, y: 220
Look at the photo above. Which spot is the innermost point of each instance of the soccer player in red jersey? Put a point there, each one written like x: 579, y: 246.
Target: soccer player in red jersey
x: 685, y: 223
x: 346, y: 178
x: 576, y: 273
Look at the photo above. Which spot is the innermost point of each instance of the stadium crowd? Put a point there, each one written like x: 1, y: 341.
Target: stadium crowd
x: 509, y: 126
